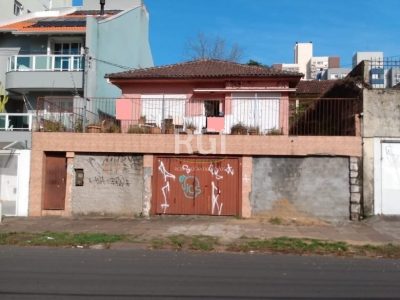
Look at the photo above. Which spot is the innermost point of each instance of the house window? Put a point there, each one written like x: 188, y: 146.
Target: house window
x: 212, y: 109
x: 397, y: 78
x: 64, y: 62
x: 17, y: 8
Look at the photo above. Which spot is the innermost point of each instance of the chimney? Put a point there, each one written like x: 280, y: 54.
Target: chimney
x: 102, y: 3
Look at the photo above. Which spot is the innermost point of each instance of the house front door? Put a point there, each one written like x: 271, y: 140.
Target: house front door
x: 55, y: 181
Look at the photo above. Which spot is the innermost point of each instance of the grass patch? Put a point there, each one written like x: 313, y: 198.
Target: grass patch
x: 184, y: 242
x: 203, y: 243
x: 290, y: 245
x: 58, y: 239
x: 275, y: 221
x: 387, y: 251
x: 158, y: 243
x: 178, y: 242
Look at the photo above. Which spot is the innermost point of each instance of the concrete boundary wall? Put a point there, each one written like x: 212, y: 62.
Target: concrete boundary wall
x: 112, y: 185
x: 249, y: 148
x: 198, y: 144
x: 310, y: 187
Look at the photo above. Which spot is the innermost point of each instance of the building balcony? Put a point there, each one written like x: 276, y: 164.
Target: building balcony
x: 241, y: 116
x: 44, y: 72
x: 16, y: 121
x: 16, y: 130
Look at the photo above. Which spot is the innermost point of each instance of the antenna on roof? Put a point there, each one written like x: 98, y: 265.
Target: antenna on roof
x: 102, y: 3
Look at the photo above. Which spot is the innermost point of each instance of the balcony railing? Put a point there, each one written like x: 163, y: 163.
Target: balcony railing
x: 245, y: 116
x: 16, y: 121
x: 45, y: 63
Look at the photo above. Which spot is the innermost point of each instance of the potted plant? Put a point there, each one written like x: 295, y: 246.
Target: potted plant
x: 274, y: 131
x: 239, y: 128
x: 169, y: 127
x: 155, y: 130
x: 53, y: 126
x: 93, y: 128
x: 142, y: 120
x: 138, y: 129
x: 190, y: 128
x: 78, y: 125
x: 254, y: 130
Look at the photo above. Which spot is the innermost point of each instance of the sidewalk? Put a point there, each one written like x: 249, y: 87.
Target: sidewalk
x: 376, y: 230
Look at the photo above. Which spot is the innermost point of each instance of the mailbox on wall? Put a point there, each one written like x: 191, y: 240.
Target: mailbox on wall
x: 79, y: 176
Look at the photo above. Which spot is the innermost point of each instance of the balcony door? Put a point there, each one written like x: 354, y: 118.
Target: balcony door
x: 65, y: 63
x: 214, y: 111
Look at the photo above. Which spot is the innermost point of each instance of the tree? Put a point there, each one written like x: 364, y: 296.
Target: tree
x: 252, y: 62
x: 205, y: 47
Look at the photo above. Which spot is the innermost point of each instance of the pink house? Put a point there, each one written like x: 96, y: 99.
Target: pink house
x: 211, y: 96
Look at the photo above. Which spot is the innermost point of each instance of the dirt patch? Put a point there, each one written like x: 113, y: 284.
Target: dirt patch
x: 283, y: 212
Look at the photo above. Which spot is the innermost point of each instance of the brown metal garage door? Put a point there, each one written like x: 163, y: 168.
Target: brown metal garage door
x: 196, y: 186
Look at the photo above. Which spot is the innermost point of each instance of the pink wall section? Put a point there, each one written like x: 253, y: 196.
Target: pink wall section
x: 128, y: 106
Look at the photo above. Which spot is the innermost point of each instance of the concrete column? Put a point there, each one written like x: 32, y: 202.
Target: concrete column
x: 147, y: 184
x: 69, y: 183
x: 247, y: 172
x: 355, y: 188
x: 36, y: 183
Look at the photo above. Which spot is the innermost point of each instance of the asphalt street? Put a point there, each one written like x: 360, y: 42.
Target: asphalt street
x: 56, y: 273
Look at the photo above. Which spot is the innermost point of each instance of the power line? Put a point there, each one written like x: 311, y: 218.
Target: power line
x: 111, y: 63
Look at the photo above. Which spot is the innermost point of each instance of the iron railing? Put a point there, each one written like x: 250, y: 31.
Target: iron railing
x: 45, y: 63
x: 324, y: 116
x: 383, y: 73
x: 261, y: 116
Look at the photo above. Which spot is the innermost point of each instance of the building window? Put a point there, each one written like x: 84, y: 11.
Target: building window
x: 17, y: 8
x: 212, y: 108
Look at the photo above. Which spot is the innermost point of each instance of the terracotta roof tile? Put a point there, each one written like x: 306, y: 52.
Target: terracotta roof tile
x: 74, y: 22
x: 202, y: 69
x: 315, y: 86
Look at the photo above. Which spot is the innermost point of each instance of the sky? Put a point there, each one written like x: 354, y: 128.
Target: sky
x: 267, y: 30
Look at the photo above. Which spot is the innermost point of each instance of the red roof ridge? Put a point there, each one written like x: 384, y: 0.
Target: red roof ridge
x: 203, y: 68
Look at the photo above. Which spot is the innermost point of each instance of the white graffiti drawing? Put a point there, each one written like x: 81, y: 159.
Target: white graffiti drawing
x: 165, y: 173
x: 229, y: 170
x: 214, y: 172
x: 214, y: 200
x: 165, y: 205
x: 186, y: 169
x: 165, y: 189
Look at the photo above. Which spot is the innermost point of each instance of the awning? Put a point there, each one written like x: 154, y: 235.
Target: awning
x: 16, y: 145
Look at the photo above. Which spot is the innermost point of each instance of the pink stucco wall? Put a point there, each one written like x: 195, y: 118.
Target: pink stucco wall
x: 128, y: 107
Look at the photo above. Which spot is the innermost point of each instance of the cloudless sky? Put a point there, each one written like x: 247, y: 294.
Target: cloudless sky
x: 268, y: 29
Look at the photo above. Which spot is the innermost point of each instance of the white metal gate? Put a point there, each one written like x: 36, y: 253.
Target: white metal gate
x: 390, y: 179
x: 9, y: 184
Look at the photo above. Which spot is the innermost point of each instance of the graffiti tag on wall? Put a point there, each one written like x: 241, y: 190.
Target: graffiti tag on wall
x: 166, y: 188
x: 112, y: 170
x: 190, y: 186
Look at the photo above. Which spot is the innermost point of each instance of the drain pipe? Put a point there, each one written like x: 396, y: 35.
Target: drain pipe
x: 102, y: 3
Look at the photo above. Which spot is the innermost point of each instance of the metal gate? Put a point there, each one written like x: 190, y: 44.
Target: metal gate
x: 390, y: 180
x: 9, y: 183
x: 55, y: 181
x: 196, y: 186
